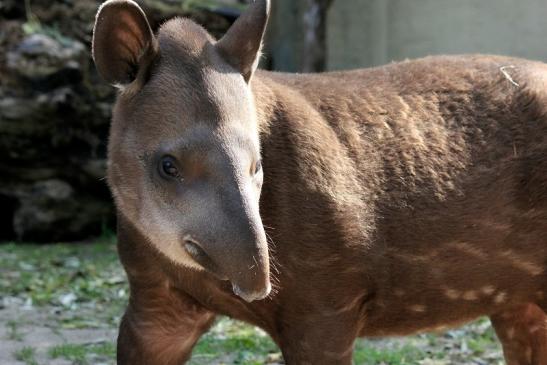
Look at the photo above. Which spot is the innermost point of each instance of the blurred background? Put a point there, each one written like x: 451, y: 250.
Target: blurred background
x: 55, y: 110
x: 61, y: 303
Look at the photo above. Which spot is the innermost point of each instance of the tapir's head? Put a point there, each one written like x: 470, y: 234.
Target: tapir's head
x: 184, y: 154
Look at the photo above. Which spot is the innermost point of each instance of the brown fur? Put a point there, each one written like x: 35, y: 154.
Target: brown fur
x: 399, y: 199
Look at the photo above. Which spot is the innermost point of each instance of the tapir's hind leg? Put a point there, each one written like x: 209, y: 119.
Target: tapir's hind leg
x: 523, y: 334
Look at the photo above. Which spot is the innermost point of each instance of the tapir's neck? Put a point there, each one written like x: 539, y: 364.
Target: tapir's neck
x: 305, y: 160
x: 265, y: 98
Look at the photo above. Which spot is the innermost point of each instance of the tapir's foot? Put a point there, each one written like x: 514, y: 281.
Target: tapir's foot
x: 523, y: 334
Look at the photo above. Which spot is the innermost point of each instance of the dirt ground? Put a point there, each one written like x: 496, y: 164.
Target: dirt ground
x: 37, y: 328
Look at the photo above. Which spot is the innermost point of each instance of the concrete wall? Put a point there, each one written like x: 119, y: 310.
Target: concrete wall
x: 296, y: 35
x: 364, y: 33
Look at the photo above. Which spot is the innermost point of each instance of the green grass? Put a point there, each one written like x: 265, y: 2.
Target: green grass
x: 27, y: 355
x: 86, y: 284
x: 240, y: 343
x: 13, y: 332
x: 68, y: 276
x: 78, y: 354
x: 480, y: 343
x: 366, y: 353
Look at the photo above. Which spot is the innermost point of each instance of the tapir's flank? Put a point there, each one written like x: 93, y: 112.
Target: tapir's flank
x: 387, y: 201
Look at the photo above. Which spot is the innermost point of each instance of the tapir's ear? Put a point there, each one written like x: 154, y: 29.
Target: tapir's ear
x: 241, y: 45
x: 123, y: 42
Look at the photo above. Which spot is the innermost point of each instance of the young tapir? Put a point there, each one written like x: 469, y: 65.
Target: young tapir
x: 381, y: 202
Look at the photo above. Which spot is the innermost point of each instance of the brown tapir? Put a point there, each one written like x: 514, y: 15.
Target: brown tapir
x: 378, y: 202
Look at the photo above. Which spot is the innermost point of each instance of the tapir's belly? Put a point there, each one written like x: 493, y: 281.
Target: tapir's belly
x: 455, y: 282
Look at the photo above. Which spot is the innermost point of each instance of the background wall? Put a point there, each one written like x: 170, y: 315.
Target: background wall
x: 374, y: 32
x: 316, y: 35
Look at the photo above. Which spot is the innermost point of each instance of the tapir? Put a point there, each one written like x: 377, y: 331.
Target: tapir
x: 321, y: 207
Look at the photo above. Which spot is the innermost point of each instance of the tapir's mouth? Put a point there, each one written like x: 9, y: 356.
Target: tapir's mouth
x: 200, y: 256
x: 253, y: 295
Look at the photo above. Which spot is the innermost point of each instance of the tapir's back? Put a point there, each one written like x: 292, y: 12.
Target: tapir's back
x: 434, y: 129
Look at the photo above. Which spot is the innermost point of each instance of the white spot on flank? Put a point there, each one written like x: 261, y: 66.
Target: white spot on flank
x: 511, y: 333
x: 470, y: 295
x: 470, y: 250
x: 488, y: 290
x: 418, y: 308
x: 521, y: 263
x: 500, y: 297
x: 452, y: 293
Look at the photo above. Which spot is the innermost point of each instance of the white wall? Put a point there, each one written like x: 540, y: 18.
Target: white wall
x: 372, y: 32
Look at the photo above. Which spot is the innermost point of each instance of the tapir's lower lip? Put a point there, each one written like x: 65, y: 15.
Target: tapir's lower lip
x: 249, y: 296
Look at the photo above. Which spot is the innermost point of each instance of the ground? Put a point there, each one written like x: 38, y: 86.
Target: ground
x: 60, y: 305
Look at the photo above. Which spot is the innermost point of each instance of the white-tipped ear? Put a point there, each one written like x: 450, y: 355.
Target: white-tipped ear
x: 241, y: 45
x: 123, y: 42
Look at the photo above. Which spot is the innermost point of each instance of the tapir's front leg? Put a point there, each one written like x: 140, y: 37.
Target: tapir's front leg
x: 323, y: 340
x: 160, y: 327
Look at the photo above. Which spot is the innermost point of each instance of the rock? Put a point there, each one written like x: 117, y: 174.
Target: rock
x: 39, y: 45
x: 51, y: 211
x: 68, y: 299
x: 55, y: 114
x: 52, y: 144
x: 44, y: 60
x: 12, y: 8
x: 16, y: 109
x: 95, y: 168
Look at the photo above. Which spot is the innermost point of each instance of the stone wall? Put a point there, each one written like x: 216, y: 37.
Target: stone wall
x: 54, y: 116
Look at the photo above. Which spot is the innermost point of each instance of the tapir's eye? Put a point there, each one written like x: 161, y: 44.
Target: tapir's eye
x: 258, y: 167
x: 168, y: 168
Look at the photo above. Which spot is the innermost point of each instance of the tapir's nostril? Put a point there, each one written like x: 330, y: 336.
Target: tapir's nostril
x: 194, y: 249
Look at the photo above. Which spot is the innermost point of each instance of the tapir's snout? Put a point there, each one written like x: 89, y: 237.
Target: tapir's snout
x: 251, y: 281
x: 227, y: 239
x: 254, y: 295
x: 244, y: 264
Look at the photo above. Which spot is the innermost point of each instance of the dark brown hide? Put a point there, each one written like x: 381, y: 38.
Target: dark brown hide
x: 405, y: 198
